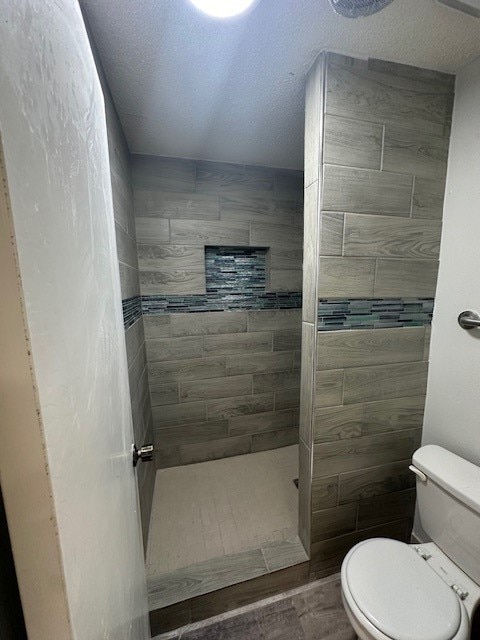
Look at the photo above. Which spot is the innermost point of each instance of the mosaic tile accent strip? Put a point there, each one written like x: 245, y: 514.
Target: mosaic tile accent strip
x: 333, y: 314
x: 132, y: 311
x: 374, y: 313
x: 238, y: 270
x: 157, y: 305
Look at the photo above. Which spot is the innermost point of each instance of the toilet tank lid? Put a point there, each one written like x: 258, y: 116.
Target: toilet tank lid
x: 457, y: 476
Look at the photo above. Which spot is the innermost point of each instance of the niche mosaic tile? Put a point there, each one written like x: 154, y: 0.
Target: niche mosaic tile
x: 238, y: 270
x: 374, y: 313
x: 235, y: 279
x: 132, y: 311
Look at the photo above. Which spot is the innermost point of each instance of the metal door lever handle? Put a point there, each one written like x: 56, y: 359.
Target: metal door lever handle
x: 145, y: 453
x: 469, y: 320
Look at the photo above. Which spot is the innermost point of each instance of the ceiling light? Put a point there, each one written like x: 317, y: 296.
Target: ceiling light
x: 224, y: 8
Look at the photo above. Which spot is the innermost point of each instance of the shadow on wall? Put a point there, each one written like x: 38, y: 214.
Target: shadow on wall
x: 12, y: 625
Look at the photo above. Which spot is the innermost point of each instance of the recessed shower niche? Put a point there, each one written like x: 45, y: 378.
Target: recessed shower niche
x: 239, y: 271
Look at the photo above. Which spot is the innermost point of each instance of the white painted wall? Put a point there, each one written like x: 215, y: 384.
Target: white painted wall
x: 53, y: 126
x: 452, y: 415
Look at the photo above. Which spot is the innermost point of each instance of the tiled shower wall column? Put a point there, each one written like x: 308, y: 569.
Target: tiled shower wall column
x: 222, y: 382
x: 381, y: 133
x: 314, y: 99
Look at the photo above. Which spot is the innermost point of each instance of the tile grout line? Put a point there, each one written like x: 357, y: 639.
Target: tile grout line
x: 344, y: 225
x: 382, y: 153
x: 375, y: 275
x: 265, y: 559
x: 414, y: 180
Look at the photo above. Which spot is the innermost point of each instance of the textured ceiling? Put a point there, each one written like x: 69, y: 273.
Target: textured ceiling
x: 191, y: 86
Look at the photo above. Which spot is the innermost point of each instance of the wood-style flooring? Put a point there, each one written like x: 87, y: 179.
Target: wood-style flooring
x: 218, y: 523
x: 311, y: 612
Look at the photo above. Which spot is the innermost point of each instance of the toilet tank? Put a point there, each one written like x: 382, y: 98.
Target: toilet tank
x: 449, y: 505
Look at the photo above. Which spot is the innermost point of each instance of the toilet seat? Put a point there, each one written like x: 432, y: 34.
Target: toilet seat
x: 390, y: 593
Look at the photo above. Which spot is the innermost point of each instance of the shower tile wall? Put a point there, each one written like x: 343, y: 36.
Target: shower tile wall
x: 130, y: 288
x: 373, y: 204
x: 222, y: 382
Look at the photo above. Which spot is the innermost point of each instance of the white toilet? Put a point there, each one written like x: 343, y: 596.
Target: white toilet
x: 396, y: 591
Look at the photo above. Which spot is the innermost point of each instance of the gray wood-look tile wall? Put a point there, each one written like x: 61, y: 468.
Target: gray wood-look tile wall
x: 314, y: 131
x: 221, y: 383
x: 122, y: 193
x: 384, y: 165
x: 380, y: 154
x: 183, y: 205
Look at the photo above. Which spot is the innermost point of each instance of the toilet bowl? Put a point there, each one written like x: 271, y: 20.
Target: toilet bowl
x: 390, y: 592
x: 395, y: 591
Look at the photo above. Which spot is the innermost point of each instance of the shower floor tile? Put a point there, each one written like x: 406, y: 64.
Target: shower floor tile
x: 221, y: 522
